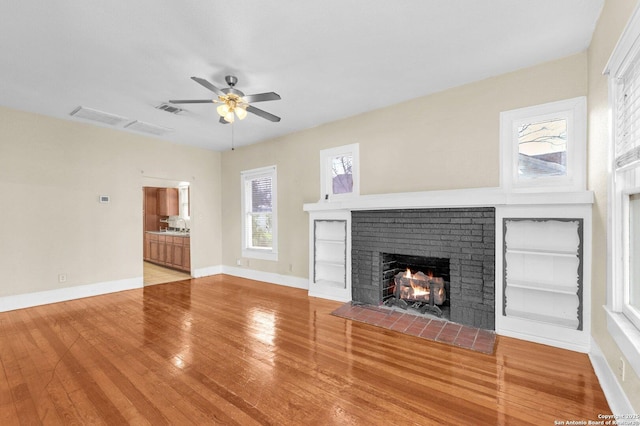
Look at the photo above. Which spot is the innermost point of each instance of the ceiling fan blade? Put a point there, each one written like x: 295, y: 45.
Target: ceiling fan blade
x: 261, y: 97
x: 223, y: 121
x: 192, y: 101
x: 263, y: 114
x: 208, y: 85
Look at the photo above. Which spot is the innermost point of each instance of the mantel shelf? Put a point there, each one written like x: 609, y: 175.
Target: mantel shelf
x: 473, y: 197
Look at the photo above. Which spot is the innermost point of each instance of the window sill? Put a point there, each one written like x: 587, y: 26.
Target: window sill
x: 626, y: 335
x: 260, y: 254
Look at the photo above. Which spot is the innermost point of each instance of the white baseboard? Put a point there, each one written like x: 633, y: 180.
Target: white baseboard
x: 577, y: 344
x: 617, y: 399
x: 269, y: 277
x: 205, y: 272
x: 20, y: 301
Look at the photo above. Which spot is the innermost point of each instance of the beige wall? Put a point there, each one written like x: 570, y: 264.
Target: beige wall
x: 51, y: 174
x: 610, y: 26
x: 444, y: 141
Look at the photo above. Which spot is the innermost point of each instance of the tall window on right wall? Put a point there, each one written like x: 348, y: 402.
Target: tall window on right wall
x: 544, y: 147
x: 623, y: 286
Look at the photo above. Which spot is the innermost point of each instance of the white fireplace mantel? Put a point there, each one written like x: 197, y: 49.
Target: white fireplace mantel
x: 473, y: 197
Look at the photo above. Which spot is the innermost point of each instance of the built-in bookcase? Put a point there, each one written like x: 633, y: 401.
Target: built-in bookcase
x: 330, y: 256
x: 543, y: 270
x: 542, y: 283
x: 330, y: 265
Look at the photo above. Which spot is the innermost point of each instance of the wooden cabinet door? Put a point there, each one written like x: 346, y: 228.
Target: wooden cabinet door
x: 186, y: 255
x: 168, y: 251
x: 168, y: 201
x: 177, y: 255
x: 154, y: 248
x: 162, y: 243
x: 151, y: 209
x: 147, y: 247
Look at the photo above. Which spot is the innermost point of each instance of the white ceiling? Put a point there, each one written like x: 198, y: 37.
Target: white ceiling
x: 328, y: 59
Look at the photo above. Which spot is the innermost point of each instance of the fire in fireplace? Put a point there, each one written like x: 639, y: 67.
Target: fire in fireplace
x: 419, y: 291
x: 415, y: 282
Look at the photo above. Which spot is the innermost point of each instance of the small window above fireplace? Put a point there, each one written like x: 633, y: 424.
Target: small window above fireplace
x: 544, y: 147
x: 339, y: 172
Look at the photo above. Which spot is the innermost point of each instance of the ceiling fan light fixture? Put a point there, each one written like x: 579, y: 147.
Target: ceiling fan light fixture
x: 229, y: 117
x: 223, y: 109
x: 241, y: 113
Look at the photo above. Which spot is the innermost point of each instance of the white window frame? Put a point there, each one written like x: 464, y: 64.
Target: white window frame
x: 326, y: 184
x: 575, y: 112
x: 621, y: 322
x: 183, y: 201
x: 246, y: 177
x: 630, y: 312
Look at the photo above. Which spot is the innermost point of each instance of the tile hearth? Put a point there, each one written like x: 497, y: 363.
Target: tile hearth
x: 437, y: 330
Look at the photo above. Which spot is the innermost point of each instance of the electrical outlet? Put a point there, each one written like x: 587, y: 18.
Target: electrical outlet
x: 238, y: 262
x: 62, y: 278
x: 291, y: 267
x: 622, y: 369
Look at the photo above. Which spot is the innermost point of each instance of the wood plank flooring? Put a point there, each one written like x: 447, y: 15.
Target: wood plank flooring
x: 225, y: 350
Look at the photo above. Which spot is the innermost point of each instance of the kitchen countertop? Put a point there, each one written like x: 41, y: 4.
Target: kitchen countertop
x: 171, y: 233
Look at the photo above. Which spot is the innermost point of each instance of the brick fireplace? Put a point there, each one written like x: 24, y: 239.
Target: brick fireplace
x: 464, y: 236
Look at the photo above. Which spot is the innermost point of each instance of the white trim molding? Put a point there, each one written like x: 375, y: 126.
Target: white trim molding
x: 474, y: 197
x: 268, y: 277
x: 626, y: 336
x: 28, y: 300
x: 617, y: 399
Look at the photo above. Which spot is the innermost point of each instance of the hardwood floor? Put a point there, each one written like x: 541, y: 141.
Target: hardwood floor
x: 225, y: 350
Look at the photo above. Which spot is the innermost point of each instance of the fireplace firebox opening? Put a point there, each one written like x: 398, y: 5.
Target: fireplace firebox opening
x: 416, y: 282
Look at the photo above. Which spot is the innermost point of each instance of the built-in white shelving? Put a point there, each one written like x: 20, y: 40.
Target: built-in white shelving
x: 330, y: 256
x: 330, y: 252
x: 542, y: 270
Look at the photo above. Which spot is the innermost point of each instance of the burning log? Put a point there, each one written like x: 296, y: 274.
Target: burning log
x: 419, y: 290
x: 420, y: 287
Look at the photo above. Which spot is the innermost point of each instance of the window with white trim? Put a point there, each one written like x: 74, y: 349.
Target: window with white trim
x: 624, y: 92
x: 339, y: 172
x: 259, y: 213
x: 623, y: 284
x: 183, y: 199
x: 544, y: 147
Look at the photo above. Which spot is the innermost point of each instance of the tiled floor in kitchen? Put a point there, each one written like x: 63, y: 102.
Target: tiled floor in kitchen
x: 156, y: 274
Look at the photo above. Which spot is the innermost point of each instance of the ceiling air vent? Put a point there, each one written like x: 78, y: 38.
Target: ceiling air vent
x: 170, y: 108
x: 153, y: 129
x: 99, y: 116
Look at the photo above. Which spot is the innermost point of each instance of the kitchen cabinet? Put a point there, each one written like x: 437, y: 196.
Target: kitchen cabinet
x: 172, y: 251
x: 168, y: 201
x: 151, y: 209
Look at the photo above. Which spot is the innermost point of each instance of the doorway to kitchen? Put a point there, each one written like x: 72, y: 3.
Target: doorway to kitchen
x: 166, y: 231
